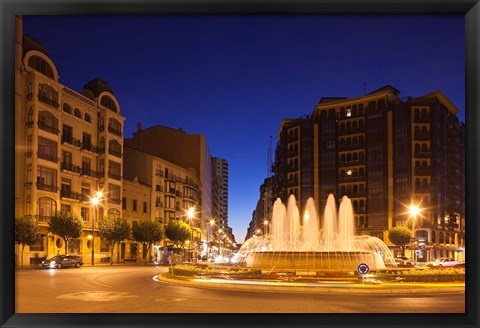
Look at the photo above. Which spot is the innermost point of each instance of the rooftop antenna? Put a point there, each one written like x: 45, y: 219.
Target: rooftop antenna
x: 364, y: 88
x: 269, y: 159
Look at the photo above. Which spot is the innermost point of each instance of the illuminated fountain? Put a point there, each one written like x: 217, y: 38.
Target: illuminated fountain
x: 294, y: 243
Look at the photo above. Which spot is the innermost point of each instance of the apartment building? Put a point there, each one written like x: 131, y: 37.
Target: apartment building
x: 384, y: 153
x: 68, y: 144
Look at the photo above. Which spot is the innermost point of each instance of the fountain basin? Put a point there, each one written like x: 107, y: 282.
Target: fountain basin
x: 347, y: 260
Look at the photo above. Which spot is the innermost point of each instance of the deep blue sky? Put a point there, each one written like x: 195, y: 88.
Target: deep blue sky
x: 234, y: 78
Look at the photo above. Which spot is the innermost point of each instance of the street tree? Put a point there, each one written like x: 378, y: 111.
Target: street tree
x: 113, y: 229
x: 66, y: 225
x: 27, y: 232
x: 400, y: 236
x: 147, y: 232
x: 178, y: 232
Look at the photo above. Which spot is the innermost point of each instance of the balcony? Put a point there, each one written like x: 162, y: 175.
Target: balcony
x: 158, y: 204
x: 48, y: 157
x: 44, y: 126
x: 27, y: 185
x: 351, y: 146
x: 89, y: 147
x: 292, y: 153
x: 88, y: 172
x: 114, y: 130
x: 28, y: 154
x: 71, y: 141
x: 42, y: 218
x: 292, y: 183
x: 159, y: 188
x: 292, y: 168
x: 159, y: 173
x: 422, y: 171
x: 178, y: 193
x: 422, y: 154
x: 170, y: 177
x: 46, y: 187
x: 114, y: 152
x: 421, y: 136
x: 29, y: 124
x: 66, y: 193
x: 46, y: 100
x: 70, y: 167
x: 170, y: 191
x: 352, y: 178
x: 178, y: 179
x: 419, y: 119
x: 114, y: 176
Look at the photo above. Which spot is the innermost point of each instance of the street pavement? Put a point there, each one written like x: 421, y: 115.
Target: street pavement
x: 141, y: 289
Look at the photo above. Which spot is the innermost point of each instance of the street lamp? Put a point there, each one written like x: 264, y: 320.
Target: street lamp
x: 190, y: 216
x: 212, y: 223
x: 265, y: 222
x: 95, y: 200
x: 414, y: 211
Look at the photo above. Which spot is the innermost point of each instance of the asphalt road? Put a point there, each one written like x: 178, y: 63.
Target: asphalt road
x: 132, y: 289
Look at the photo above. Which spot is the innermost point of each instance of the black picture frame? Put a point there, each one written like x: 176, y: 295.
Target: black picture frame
x: 10, y: 8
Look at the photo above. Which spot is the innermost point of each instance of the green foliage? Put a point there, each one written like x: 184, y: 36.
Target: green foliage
x: 400, y: 235
x: 178, y: 232
x: 66, y: 225
x: 113, y: 229
x: 147, y: 232
x: 27, y: 231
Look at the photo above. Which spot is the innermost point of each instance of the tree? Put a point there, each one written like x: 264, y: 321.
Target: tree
x: 113, y: 229
x: 27, y: 232
x: 400, y: 236
x: 178, y: 232
x: 66, y: 225
x: 147, y: 232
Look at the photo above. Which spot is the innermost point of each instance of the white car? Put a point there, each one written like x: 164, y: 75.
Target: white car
x: 443, y: 262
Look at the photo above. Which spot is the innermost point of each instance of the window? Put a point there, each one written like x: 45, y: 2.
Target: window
x: 29, y: 173
x: 124, y: 203
x: 47, y: 149
x: 114, y: 126
x: 103, y: 246
x: 48, y: 95
x: 66, y: 108
x: 84, y: 212
x: 134, y: 205
x: 113, y: 212
x: 349, y: 112
x: 88, y: 118
x: 115, y: 148
x: 109, y: 103
x: 39, y: 246
x: 85, y: 191
x: 46, y: 208
x: 113, y: 194
x: 41, y: 65
x: 48, y: 122
x: 77, y: 113
x: 46, y: 177
x: 114, y: 170
x: 28, y: 205
x: 86, y: 140
x: 144, y: 207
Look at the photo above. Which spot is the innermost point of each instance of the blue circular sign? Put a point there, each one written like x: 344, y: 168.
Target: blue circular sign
x: 363, y: 268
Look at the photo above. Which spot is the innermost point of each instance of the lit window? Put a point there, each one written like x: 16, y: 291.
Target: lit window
x: 349, y: 112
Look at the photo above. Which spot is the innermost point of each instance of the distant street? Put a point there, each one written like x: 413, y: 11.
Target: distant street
x: 132, y: 289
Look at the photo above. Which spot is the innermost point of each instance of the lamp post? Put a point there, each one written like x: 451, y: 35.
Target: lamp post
x: 95, y: 200
x: 413, y: 210
x: 190, y: 216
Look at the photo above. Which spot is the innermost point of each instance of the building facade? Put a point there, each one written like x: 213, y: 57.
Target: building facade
x: 68, y: 145
x: 385, y: 153
x: 220, y: 180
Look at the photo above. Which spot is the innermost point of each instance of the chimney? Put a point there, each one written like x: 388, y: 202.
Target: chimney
x: 139, y: 127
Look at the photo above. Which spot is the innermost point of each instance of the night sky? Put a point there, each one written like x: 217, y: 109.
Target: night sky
x: 234, y: 78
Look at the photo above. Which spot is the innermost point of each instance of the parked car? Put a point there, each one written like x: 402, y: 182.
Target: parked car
x: 63, y: 261
x: 404, y: 261
x: 443, y: 262
x: 460, y: 265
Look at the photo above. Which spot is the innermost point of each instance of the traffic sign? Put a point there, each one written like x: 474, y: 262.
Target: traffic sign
x: 363, y: 268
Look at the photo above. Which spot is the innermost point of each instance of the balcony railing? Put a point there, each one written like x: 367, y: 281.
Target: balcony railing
x: 48, y: 157
x: 158, y: 204
x: 421, y: 119
x: 42, y: 218
x: 421, y: 136
x: 422, y: 171
x: 70, y: 140
x: 292, y: 168
x: 159, y: 188
x: 88, y: 172
x: 27, y: 185
x: 46, y: 187
x: 114, y: 152
x: 44, y: 126
x: 114, y: 130
x: 29, y: 124
x: 28, y: 154
x: 114, y: 176
x: 46, y: 100
x: 65, y: 193
x: 422, y: 154
x: 178, y: 193
x: 89, y: 147
x: 351, y: 146
x: 70, y: 167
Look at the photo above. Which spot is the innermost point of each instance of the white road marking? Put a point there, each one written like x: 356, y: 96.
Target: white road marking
x: 97, y: 283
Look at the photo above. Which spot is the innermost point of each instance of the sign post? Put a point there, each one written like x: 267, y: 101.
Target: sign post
x: 362, y: 270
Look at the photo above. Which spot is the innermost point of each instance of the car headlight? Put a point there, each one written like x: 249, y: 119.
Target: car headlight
x: 52, y: 264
